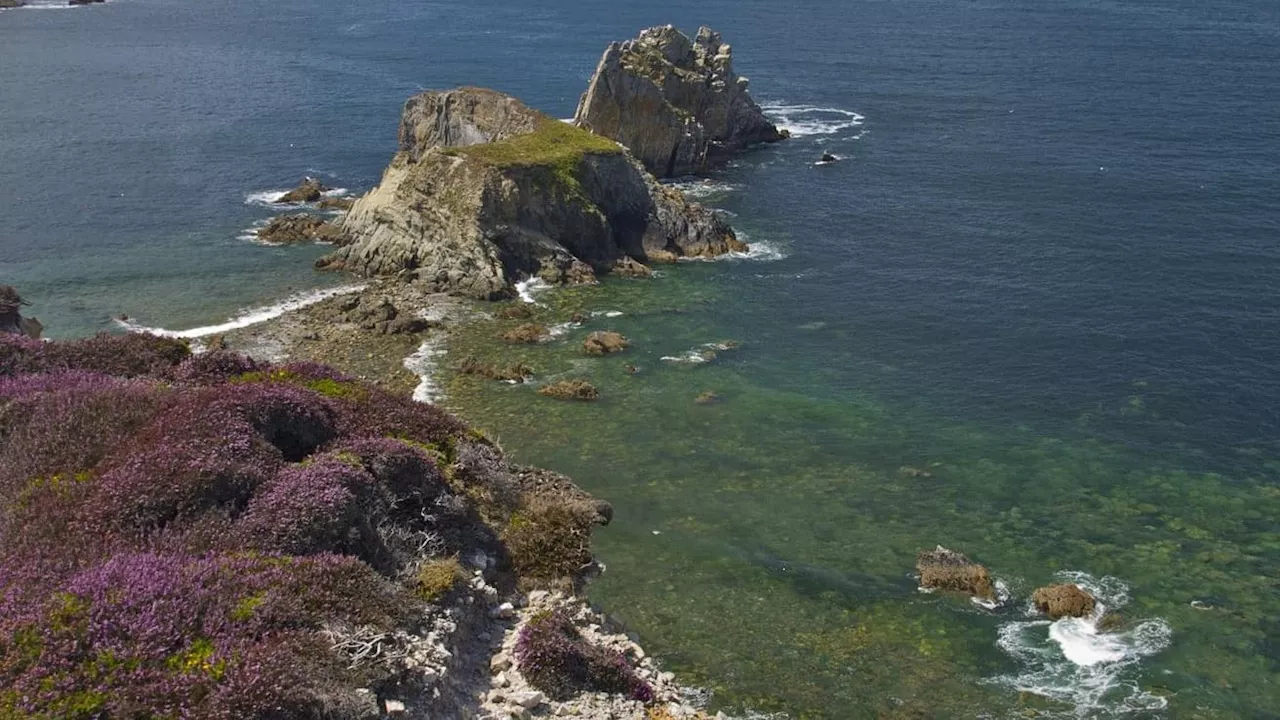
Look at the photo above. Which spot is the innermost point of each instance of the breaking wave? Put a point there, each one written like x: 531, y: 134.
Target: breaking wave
x: 808, y: 120
x: 249, y: 317
x: 1095, y: 672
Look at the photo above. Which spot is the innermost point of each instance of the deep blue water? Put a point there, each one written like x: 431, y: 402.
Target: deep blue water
x: 1059, y: 217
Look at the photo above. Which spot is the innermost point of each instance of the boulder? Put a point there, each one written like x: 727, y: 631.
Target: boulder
x: 527, y: 334
x: 629, y: 267
x: 675, y: 103
x: 570, y: 390
x: 514, y: 372
x: 11, y: 320
x: 1065, y: 600
x: 603, y: 342
x: 299, y: 228
x: 485, y: 193
x: 84, y: 2
x: 309, y: 190
x: 944, y: 569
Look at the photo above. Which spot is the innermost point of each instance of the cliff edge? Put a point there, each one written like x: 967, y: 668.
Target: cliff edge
x: 675, y: 103
x: 485, y: 192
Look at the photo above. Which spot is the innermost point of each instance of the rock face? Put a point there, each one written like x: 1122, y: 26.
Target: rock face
x: 675, y: 103
x: 11, y: 321
x: 945, y: 569
x: 1065, y: 600
x: 290, y: 229
x: 485, y: 192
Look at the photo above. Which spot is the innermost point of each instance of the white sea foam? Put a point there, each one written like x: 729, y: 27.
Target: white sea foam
x: 530, y: 289
x: 249, y: 317
x: 606, y: 313
x: 560, y: 329
x: 806, y: 120
x: 1075, y: 662
x: 701, y: 188
x: 423, y: 364
x: 1002, y: 596
x: 704, y: 353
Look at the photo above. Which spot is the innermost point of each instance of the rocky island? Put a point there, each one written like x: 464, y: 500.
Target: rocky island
x: 485, y: 192
x: 676, y: 103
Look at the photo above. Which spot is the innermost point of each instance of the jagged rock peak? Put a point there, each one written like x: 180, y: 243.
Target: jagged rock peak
x: 485, y: 193
x: 676, y: 103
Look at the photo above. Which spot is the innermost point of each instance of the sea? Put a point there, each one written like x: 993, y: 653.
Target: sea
x: 1032, y: 314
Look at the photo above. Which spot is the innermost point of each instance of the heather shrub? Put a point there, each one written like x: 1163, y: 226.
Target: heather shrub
x: 555, y: 658
x: 181, y: 636
x: 211, y: 537
x: 213, y: 367
x: 549, y: 543
x: 437, y: 578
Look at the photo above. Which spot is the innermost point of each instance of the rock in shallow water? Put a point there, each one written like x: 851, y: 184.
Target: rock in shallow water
x: 1066, y: 600
x: 603, y: 342
x: 944, y: 569
x: 291, y: 229
x: 309, y: 190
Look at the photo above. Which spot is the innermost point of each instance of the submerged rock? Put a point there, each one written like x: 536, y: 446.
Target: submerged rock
x: 707, y: 397
x: 604, y: 342
x: 290, y: 229
x: 11, y: 320
x: 527, y: 334
x: 486, y: 192
x: 570, y: 390
x: 309, y: 190
x: 1065, y: 600
x: 674, y: 102
x: 514, y: 372
x: 944, y: 569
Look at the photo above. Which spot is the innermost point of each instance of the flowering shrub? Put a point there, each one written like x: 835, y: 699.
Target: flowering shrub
x: 183, y: 536
x: 557, y: 660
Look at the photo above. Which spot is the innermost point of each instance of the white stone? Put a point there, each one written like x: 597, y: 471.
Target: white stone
x: 499, y: 662
x: 395, y: 708
x: 497, y: 696
x: 529, y: 700
x: 505, y: 611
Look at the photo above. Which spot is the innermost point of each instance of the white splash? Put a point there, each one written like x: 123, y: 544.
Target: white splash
x: 806, y: 120
x: 1077, y: 663
x: 704, y: 353
x: 1002, y: 596
x: 423, y: 364
x: 606, y: 313
x: 253, y: 316
x: 531, y: 288
x: 701, y: 188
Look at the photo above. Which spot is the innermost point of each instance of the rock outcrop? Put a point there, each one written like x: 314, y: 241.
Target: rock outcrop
x: 570, y: 390
x: 10, y: 4
x: 290, y: 229
x: 675, y: 103
x: 605, y: 342
x: 309, y: 190
x: 1066, y: 600
x: 944, y: 569
x: 11, y: 320
x: 486, y: 192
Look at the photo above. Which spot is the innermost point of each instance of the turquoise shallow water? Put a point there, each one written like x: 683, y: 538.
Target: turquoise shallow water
x: 1031, y: 315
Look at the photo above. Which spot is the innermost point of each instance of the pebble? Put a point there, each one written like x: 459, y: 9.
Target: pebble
x: 395, y: 708
x: 529, y: 700
x: 499, y: 662
x: 505, y: 611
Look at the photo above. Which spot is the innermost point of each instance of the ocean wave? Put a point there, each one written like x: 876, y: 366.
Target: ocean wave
x: 702, y: 354
x: 1002, y: 596
x: 809, y: 120
x: 253, y: 316
x: 530, y: 289
x: 606, y: 313
x: 1075, y: 662
x: 702, y: 188
x: 423, y: 364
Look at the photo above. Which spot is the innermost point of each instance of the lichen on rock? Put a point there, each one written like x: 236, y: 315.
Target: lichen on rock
x: 485, y: 193
x: 676, y: 103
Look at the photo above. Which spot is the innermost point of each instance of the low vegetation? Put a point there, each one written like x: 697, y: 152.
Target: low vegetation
x: 183, y: 536
x: 557, y: 660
